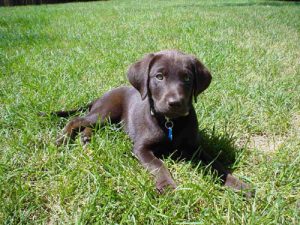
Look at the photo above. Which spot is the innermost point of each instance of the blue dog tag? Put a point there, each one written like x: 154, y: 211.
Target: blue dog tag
x: 170, y: 134
x: 169, y: 125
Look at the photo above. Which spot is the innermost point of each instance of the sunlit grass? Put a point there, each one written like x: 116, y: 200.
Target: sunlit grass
x: 62, y: 56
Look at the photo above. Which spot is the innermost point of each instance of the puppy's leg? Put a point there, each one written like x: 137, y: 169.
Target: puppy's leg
x: 102, y: 111
x: 86, y: 135
x: 75, y: 126
x: 155, y: 166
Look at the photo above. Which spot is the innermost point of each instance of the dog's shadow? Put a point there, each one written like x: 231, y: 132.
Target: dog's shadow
x: 220, y: 147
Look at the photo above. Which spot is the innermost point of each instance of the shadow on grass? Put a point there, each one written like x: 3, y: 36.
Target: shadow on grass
x: 219, y: 147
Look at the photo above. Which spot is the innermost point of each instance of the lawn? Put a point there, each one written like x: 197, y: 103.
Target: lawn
x: 62, y: 56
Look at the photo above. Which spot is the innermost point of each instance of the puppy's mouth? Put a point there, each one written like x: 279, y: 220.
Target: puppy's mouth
x: 173, y: 114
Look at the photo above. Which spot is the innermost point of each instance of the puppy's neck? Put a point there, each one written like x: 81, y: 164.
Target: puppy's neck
x: 162, y: 118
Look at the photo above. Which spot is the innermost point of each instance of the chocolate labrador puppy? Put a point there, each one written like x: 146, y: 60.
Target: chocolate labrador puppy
x: 157, y: 112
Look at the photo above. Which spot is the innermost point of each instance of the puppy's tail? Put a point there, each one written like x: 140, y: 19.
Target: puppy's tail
x: 67, y: 113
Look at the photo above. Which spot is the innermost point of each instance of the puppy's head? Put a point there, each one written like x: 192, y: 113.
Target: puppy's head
x: 171, y: 79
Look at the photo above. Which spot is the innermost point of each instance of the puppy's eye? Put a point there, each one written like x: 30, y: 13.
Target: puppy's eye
x: 159, y: 76
x: 187, y: 78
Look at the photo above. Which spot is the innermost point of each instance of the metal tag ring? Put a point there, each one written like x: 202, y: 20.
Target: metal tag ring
x: 169, y: 124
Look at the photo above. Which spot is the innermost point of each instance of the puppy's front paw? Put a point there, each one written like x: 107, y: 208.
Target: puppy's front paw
x: 85, y: 140
x: 163, y: 185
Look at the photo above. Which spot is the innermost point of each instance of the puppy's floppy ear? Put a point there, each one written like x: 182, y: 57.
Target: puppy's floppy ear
x: 202, y: 77
x: 138, y: 74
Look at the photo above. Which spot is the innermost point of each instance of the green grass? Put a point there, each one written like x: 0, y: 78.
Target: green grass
x: 62, y: 56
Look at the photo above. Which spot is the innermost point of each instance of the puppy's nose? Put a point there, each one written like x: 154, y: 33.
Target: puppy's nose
x: 172, y: 102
